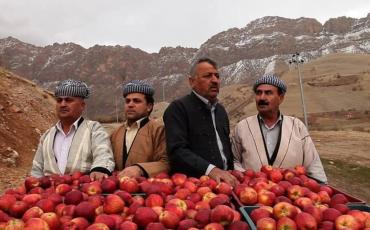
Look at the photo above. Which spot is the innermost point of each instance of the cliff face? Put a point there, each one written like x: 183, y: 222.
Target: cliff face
x: 243, y: 54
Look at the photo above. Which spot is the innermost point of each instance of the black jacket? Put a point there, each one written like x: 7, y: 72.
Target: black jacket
x: 191, y: 138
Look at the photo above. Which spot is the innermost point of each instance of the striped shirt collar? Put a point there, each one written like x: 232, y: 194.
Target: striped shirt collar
x: 75, y: 125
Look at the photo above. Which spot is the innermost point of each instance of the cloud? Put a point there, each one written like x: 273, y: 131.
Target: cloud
x: 150, y: 25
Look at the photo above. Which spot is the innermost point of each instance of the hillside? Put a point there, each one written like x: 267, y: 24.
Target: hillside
x: 243, y: 54
x: 26, y: 111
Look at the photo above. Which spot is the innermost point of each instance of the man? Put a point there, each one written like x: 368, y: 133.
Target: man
x: 197, y: 128
x: 74, y: 143
x: 139, y: 144
x: 270, y: 138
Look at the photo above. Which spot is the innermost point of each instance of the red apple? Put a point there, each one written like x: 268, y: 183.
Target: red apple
x: 155, y: 226
x: 285, y: 223
x: 284, y: 209
x: 214, y: 226
x: 129, y: 185
x: 275, y: 175
x: 330, y: 214
x: 266, y: 223
x: 266, y: 169
x: 128, y: 225
x: 18, y: 209
x: 238, y: 225
x: 14, y: 224
x: 203, y: 217
x: 186, y: 224
x: 46, y: 205
x: 98, y: 226
x: 33, y: 212
x: 113, y: 204
x: 338, y: 198
x: 300, y: 170
x: 346, y: 222
x: 314, y: 211
x: 248, y: 196
x: 222, y: 214
x: 36, y: 223
x: 51, y: 219
x: 106, y: 219
x: 223, y: 188
x: 80, y: 222
x: 259, y: 213
x: 145, y: 215
x: 154, y: 200
x: 62, y: 189
x: 31, y: 182
x: 178, y: 178
x: 86, y: 210
x: 92, y: 188
x: 108, y: 185
x: 305, y: 221
x: 294, y: 192
x: 266, y: 197
x: 169, y: 219
x: 73, y: 197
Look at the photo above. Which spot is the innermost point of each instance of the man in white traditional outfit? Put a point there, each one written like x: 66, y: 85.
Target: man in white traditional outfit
x: 74, y: 143
x: 271, y: 138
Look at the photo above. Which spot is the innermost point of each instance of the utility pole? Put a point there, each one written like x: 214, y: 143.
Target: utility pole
x: 297, y: 59
x: 163, y: 94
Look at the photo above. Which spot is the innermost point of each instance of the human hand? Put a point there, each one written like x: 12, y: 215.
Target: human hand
x: 221, y: 175
x: 99, y: 176
x: 131, y: 171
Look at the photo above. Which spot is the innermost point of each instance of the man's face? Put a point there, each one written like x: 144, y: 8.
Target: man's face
x: 268, y: 99
x: 206, y: 81
x: 70, y: 108
x: 136, y: 107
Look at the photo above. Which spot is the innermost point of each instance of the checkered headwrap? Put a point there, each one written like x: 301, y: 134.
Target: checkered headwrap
x: 72, y: 88
x: 137, y: 86
x: 270, y: 80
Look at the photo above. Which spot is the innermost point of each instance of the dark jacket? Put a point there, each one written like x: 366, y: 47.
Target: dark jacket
x: 191, y: 138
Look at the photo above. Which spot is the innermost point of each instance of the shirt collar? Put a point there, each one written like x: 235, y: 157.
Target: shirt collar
x: 205, y: 100
x: 74, y: 125
x: 280, y: 118
x: 136, y: 124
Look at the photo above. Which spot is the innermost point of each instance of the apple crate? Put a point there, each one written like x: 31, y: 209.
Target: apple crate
x: 351, y: 199
x: 361, y: 207
x: 245, y: 211
x: 235, y: 200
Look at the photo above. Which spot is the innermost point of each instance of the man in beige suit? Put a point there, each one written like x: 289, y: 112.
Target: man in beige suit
x: 73, y: 143
x: 271, y: 138
x: 139, y: 146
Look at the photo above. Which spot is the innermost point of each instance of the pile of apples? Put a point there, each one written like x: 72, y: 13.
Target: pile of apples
x: 119, y: 203
x: 289, y: 200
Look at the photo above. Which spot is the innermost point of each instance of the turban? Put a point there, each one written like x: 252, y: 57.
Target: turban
x: 72, y: 88
x: 270, y: 80
x: 137, y: 86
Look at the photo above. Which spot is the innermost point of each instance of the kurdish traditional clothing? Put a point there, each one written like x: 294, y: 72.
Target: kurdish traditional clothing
x: 294, y: 147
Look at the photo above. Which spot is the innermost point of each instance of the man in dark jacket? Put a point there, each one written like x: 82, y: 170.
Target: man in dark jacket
x: 197, y: 128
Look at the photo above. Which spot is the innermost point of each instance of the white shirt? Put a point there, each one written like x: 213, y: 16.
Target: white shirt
x: 131, y: 132
x: 62, y: 144
x: 219, y: 143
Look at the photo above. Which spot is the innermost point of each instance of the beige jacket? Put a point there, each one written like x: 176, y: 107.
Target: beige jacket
x: 296, y: 147
x: 148, y: 149
x: 90, y: 148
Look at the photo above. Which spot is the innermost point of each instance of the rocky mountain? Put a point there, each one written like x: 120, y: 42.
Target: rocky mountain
x: 263, y: 45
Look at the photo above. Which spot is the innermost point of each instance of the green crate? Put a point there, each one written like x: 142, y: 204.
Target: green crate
x: 245, y: 211
x: 361, y: 207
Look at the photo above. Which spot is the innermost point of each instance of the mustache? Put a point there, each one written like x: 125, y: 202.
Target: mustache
x: 262, y: 102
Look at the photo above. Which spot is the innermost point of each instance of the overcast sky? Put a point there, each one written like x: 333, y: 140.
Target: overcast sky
x: 152, y: 24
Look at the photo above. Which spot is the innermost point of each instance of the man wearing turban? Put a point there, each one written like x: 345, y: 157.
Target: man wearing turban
x: 73, y: 143
x: 271, y: 138
x: 139, y: 145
